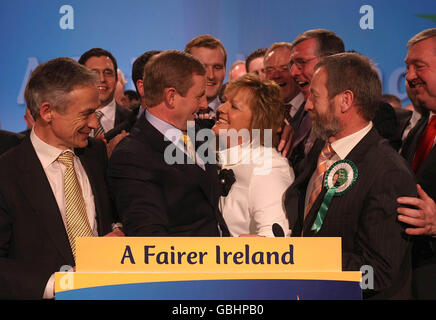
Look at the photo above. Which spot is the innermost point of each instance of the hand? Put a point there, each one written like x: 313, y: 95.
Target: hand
x: 423, y: 218
x: 287, y: 133
x: 114, y: 141
x: 117, y: 232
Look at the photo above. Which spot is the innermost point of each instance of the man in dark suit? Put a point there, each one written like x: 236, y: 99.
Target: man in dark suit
x: 114, y: 118
x: 419, y: 150
x: 360, y: 207
x: 52, y: 188
x: 307, y: 48
x: 154, y: 195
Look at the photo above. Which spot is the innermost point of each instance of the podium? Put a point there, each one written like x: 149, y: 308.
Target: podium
x: 208, y: 268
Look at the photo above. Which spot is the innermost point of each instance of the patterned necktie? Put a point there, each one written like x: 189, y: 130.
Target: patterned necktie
x: 189, y: 146
x: 99, y: 130
x: 326, y: 154
x: 288, y: 116
x: 425, y: 144
x: 75, y: 209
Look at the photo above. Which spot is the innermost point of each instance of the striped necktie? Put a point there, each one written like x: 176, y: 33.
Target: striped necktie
x: 189, y: 146
x: 75, y: 209
x: 99, y: 130
x: 326, y: 154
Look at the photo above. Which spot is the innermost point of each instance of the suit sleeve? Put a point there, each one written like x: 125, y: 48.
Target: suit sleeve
x: 18, y: 279
x: 139, y: 198
x: 380, y: 241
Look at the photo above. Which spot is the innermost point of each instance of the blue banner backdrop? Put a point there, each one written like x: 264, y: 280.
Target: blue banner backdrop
x: 33, y: 32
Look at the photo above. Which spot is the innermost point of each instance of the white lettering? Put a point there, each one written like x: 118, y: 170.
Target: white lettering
x: 367, y: 20
x: 67, y: 20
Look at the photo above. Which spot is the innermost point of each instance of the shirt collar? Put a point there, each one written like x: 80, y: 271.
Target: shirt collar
x: 46, y: 153
x: 343, y: 146
x: 109, y: 110
x: 214, y: 104
x: 297, y: 101
x: 170, y: 132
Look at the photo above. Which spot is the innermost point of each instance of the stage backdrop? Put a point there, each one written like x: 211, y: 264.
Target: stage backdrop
x: 33, y: 32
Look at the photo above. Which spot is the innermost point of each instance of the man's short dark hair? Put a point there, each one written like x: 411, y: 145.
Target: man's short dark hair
x: 170, y: 69
x: 99, y: 52
x: 258, y: 53
x: 328, y: 41
x: 206, y: 41
x: 355, y: 72
x: 139, y: 65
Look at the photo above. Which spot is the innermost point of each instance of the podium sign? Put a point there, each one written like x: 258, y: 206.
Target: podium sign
x: 208, y: 268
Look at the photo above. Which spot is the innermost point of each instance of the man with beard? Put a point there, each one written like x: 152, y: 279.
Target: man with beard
x: 419, y: 151
x: 361, y: 206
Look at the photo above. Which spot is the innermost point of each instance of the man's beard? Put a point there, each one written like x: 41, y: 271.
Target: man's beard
x: 326, y: 125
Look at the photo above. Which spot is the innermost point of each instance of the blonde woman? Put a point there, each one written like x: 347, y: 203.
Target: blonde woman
x: 247, y: 125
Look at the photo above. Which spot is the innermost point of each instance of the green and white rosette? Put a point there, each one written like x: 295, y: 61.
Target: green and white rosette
x: 339, y: 178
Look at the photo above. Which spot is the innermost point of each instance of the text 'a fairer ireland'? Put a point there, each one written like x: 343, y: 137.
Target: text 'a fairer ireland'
x: 220, y: 256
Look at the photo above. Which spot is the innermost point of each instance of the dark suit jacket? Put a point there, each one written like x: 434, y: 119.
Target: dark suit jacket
x: 365, y: 217
x: 386, y: 123
x: 124, y: 120
x: 424, y: 249
x: 154, y: 198
x: 302, y: 125
x: 9, y: 140
x: 33, y: 240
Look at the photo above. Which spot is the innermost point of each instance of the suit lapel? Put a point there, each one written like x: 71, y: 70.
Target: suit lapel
x: 192, y: 172
x: 411, y: 142
x: 356, y: 155
x: 41, y: 198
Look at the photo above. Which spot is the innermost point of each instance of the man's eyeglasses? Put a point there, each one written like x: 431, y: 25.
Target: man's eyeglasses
x: 282, y: 68
x: 300, y: 63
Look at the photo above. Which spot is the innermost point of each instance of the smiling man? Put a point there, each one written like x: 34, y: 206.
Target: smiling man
x: 154, y: 196
x: 112, y: 117
x: 419, y: 150
x: 276, y: 64
x: 344, y: 92
x: 54, y: 187
x: 211, y: 52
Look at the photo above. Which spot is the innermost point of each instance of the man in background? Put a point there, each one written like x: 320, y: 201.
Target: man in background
x: 112, y: 118
x: 211, y: 52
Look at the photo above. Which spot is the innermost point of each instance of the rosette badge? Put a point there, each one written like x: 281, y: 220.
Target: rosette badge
x: 338, y: 180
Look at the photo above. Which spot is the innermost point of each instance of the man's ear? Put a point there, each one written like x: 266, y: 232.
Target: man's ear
x: 170, y: 97
x: 140, y: 86
x: 46, y: 112
x: 346, y: 100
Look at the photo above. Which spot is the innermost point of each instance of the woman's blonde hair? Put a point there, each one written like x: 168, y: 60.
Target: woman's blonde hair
x: 265, y: 103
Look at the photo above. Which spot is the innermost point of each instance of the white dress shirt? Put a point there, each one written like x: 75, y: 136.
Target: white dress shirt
x: 108, y: 118
x: 296, y: 104
x: 213, y: 105
x: 342, y: 148
x: 255, y: 200
x: 55, y: 171
x: 174, y: 135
